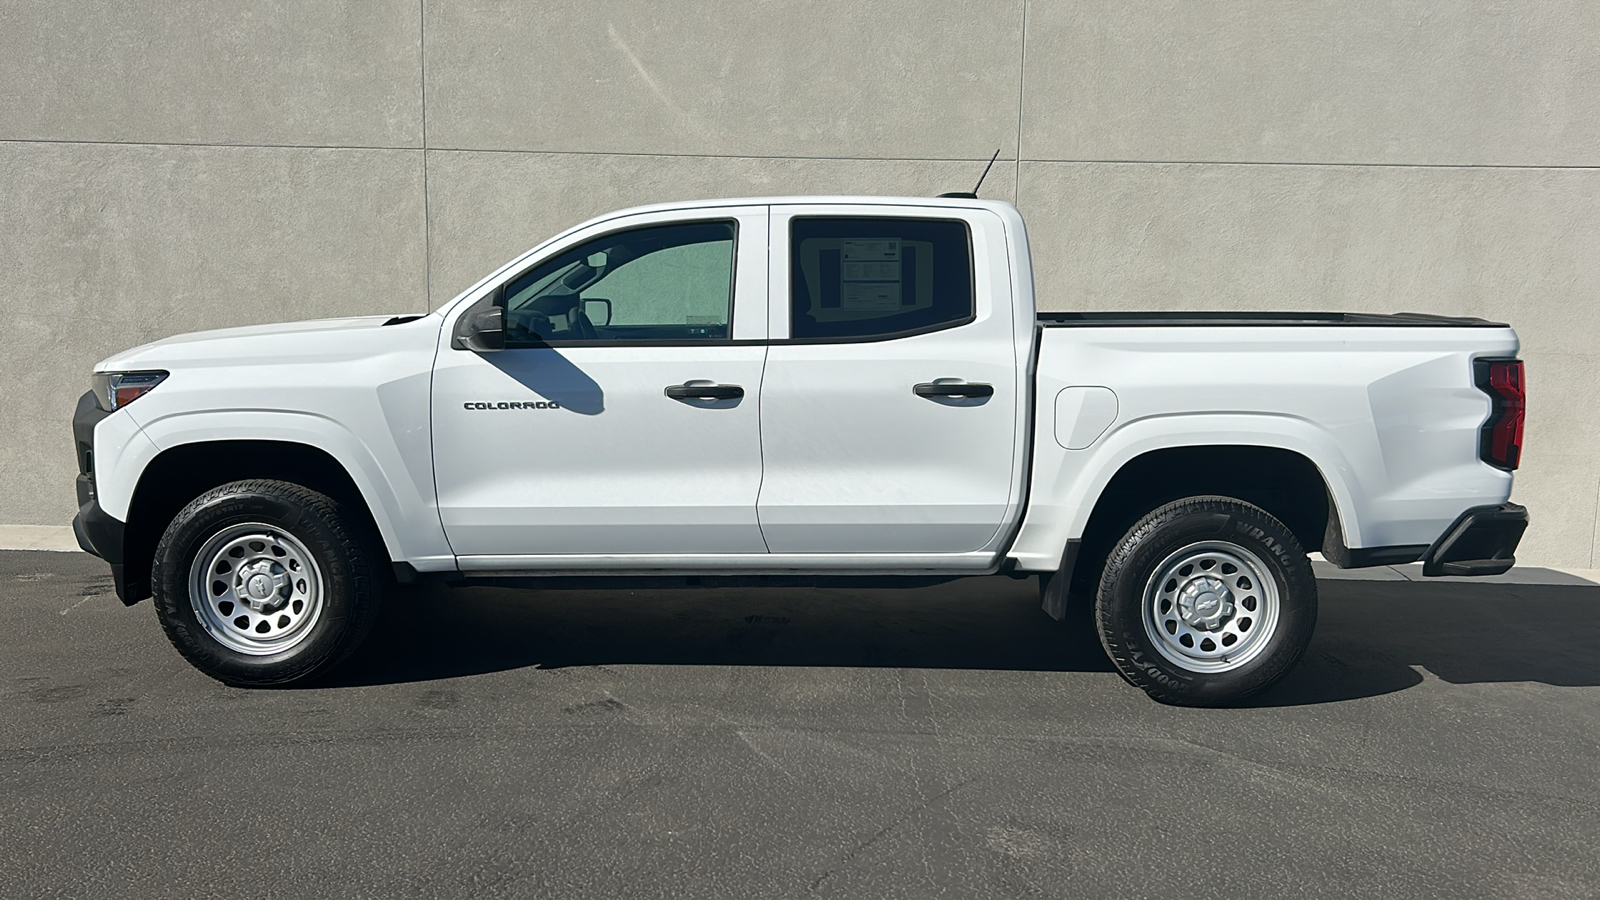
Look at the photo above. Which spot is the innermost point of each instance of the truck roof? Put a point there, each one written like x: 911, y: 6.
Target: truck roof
x: 798, y: 200
x: 818, y: 200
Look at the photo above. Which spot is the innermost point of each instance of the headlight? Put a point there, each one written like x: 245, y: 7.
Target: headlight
x: 114, y: 390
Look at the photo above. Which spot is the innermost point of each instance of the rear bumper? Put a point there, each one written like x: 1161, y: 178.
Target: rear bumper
x: 1482, y: 541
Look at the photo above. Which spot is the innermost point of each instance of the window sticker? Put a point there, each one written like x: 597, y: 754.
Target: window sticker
x: 869, y: 274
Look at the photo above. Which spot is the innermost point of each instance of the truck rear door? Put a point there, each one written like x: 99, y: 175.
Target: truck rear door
x: 890, y: 401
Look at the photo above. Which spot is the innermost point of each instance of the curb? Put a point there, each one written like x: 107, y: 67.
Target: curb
x: 38, y: 537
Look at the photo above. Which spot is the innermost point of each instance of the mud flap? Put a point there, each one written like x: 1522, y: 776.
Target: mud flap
x: 1053, y: 586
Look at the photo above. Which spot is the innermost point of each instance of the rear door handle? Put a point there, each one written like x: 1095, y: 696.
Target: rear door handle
x: 704, y: 391
x: 953, y: 389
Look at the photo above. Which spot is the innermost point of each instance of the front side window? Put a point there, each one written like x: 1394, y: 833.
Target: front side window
x: 660, y: 283
x: 865, y: 278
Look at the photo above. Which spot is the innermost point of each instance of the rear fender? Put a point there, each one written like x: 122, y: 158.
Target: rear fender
x: 1066, y: 484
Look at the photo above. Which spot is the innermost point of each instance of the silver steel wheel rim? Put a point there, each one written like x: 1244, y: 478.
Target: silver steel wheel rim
x: 256, y: 589
x: 1211, y: 607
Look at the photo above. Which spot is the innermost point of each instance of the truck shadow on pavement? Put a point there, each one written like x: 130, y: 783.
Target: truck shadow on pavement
x: 1372, y: 638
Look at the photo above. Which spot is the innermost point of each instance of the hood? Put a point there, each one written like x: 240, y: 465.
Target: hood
x: 316, y: 337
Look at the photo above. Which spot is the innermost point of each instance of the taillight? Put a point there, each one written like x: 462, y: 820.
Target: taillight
x: 1500, y: 441
x: 114, y: 390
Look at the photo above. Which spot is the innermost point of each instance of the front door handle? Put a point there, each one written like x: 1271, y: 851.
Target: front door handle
x: 953, y: 389
x: 704, y: 391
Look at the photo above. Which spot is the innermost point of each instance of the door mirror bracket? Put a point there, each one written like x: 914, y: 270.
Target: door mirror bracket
x: 481, y: 329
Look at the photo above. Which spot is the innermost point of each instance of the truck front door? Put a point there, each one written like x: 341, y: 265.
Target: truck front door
x: 620, y: 422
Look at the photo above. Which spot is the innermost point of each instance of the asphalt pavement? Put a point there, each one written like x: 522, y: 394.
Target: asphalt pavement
x: 1440, y: 740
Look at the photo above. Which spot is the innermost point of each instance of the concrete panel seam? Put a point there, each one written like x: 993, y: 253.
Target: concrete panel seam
x: 422, y: 93
x: 1594, y: 527
x: 1022, y: 87
x: 1305, y: 165
x: 205, y: 145
x: 980, y: 159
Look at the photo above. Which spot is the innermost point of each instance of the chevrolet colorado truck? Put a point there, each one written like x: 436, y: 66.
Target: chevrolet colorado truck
x: 819, y: 390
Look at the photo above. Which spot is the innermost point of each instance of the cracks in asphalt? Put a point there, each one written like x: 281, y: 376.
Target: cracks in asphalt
x: 855, y: 852
x: 765, y: 756
x: 925, y: 726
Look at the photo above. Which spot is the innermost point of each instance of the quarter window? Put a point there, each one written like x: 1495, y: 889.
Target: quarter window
x: 663, y: 283
x: 864, y: 278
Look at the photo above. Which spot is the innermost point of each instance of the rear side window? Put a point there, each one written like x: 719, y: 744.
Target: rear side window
x: 865, y: 278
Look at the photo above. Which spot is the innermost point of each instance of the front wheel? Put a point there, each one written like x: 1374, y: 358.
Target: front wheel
x: 263, y: 583
x: 1206, y: 601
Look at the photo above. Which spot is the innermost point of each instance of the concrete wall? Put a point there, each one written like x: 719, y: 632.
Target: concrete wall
x: 167, y: 166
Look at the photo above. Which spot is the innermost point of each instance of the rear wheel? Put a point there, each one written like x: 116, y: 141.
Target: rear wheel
x: 1206, y: 601
x: 263, y: 583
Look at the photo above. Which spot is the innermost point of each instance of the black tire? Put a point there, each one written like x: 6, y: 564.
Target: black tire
x: 1205, y: 529
x: 341, y: 610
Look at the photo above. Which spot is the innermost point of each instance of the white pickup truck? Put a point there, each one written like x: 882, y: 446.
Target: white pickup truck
x: 799, y: 389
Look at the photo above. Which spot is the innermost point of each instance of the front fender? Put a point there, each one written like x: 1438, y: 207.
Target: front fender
x: 404, y: 514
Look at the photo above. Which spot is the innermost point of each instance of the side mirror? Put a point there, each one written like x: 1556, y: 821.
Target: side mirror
x: 592, y: 307
x: 481, y: 330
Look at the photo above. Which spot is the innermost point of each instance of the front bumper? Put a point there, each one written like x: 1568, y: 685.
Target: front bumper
x: 1482, y: 541
x: 100, y: 535
x: 97, y: 532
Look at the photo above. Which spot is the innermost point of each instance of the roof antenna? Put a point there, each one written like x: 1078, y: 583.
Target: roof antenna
x: 973, y: 194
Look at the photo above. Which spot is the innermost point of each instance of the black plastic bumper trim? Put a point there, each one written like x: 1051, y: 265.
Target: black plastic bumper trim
x: 82, y: 535
x: 119, y: 580
x: 98, y: 533
x: 1397, y: 554
x: 84, y: 418
x: 1482, y: 541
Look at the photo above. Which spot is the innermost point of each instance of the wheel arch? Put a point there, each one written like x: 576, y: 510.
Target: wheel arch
x: 1289, y: 485
x: 180, y: 473
x: 1067, y: 487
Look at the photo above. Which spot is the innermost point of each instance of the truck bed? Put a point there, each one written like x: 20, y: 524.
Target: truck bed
x: 1383, y: 405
